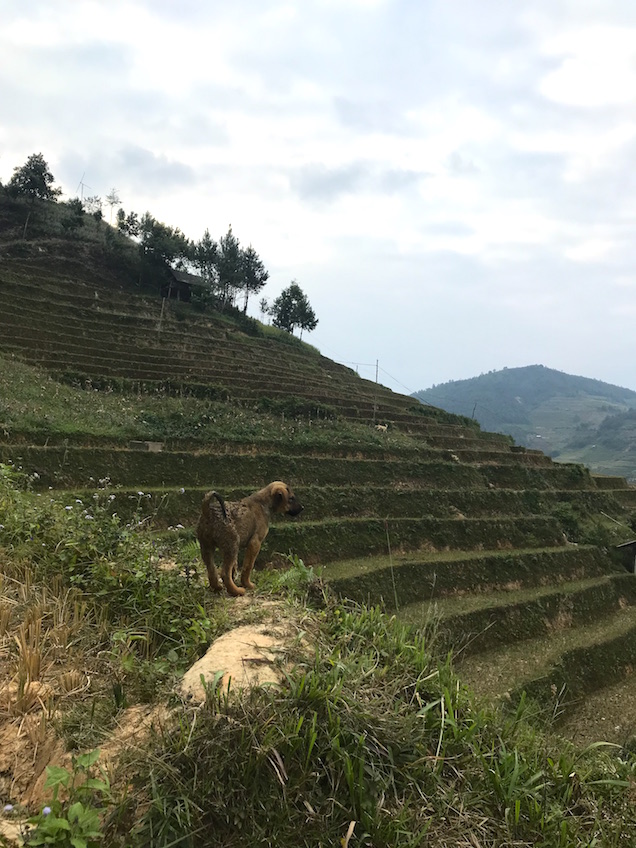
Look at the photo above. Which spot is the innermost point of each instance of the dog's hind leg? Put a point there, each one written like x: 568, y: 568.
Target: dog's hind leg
x: 230, y: 563
x: 251, y: 552
x: 207, y: 555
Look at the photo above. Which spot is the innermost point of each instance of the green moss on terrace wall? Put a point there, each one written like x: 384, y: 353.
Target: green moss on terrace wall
x: 182, y: 505
x: 68, y: 467
x: 425, y: 579
x: 332, y: 540
x: 486, y: 628
x: 585, y: 669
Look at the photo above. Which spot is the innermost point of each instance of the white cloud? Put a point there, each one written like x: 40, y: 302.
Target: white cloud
x: 593, y: 250
x: 598, y: 67
x: 445, y: 180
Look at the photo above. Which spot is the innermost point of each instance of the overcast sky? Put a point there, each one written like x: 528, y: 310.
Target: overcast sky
x: 451, y: 182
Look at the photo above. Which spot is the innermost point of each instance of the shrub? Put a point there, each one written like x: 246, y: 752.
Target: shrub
x: 153, y: 613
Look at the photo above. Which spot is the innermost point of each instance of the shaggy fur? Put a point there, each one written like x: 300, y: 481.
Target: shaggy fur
x: 231, y: 525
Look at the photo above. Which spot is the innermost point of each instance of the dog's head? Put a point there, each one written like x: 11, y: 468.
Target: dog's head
x: 283, y: 499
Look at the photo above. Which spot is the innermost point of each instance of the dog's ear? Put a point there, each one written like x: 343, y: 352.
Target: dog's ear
x: 280, y: 496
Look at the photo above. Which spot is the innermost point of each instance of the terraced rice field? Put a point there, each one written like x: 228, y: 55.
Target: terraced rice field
x: 432, y: 518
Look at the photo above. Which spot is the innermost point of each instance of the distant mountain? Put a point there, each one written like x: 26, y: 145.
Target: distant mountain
x: 571, y: 418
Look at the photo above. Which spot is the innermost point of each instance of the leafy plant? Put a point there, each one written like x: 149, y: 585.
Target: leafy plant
x: 295, y: 580
x: 73, y: 820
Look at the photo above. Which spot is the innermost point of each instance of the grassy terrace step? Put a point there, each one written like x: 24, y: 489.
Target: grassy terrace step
x: 422, y: 577
x: 381, y: 448
x: 426, y: 430
x: 559, y: 476
x: 117, y: 361
x: 193, y: 336
x: 36, y: 283
x: 97, y: 370
x: 175, y: 506
x: 194, y: 343
x: 336, y: 539
x: 473, y: 624
x: 105, y: 323
x: 583, y: 659
x: 605, y: 482
x: 608, y: 713
x: 72, y: 466
x: 159, y: 349
x: 625, y: 497
x: 471, y: 442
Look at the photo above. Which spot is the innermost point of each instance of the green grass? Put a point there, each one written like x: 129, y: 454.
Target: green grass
x: 144, y: 612
x: 33, y: 402
x: 514, y: 667
x: 371, y: 728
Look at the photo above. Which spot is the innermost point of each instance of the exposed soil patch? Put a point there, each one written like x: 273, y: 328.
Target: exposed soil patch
x: 249, y: 655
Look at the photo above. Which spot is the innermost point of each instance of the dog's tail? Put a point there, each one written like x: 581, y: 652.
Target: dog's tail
x: 222, y: 502
x: 208, y: 497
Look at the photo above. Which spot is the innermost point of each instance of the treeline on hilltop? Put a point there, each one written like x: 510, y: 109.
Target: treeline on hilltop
x: 229, y: 273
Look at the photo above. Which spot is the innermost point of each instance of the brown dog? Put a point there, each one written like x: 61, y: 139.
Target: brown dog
x: 237, y: 524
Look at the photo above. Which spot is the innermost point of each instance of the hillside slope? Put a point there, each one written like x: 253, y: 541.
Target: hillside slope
x: 539, y: 407
x: 110, y: 397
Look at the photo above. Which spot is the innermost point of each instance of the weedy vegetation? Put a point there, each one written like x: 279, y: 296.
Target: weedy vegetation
x: 373, y: 728
x: 83, y: 596
x: 371, y: 739
x: 34, y: 404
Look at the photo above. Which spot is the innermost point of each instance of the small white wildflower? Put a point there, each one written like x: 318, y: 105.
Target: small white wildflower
x: 68, y: 507
x: 77, y: 500
x: 111, y: 497
x: 179, y: 527
x: 8, y: 808
x: 141, y: 494
x: 1, y: 526
x: 88, y: 517
x: 182, y: 491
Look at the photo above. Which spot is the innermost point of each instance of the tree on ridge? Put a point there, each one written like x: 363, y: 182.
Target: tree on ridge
x: 292, y: 309
x: 254, y: 274
x: 33, y: 180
